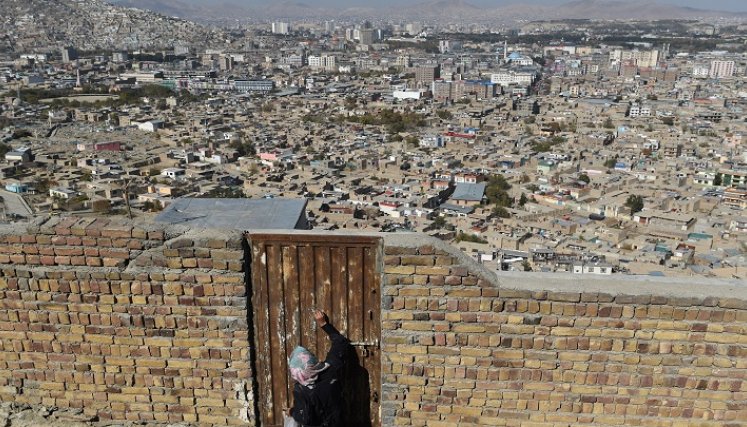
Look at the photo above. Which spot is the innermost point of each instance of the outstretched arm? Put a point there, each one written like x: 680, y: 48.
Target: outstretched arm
x: 336, y: 354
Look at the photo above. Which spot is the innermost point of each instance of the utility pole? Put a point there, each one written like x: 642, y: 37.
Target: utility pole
x: 126, y: 193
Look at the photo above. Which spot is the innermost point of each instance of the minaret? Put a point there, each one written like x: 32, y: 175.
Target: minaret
x: 77, y: 73
x: 505, y: 50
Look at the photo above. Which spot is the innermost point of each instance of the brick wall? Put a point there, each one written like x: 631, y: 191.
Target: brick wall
x: 125, y: 321
x: 463, y: 347
x: 131, y: 321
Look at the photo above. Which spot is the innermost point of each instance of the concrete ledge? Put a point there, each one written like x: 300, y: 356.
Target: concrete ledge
x: 696, y: 287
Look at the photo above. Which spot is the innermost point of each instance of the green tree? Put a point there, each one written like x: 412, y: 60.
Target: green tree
x: 464, y: 237
x: 243, y: 148
x: 718, y: 179
x: 526, y: 266
x: 610, y: 163
x: 608, y: 124
x: 634, y: 203
x: 224, y: 193
x: 444, y: 115
x: 523, y: 199
x: 584, y: 177
x: 501, y: 212
x: 496, y: 191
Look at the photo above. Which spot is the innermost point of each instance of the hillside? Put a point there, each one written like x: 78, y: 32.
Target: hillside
x: 42, y: 25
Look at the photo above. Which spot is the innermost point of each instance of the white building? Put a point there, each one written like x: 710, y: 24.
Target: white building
x: 432, y: 141
x: 701, y: 71
x: 281, y: 28
x: 640, y: 110
x: 506, y: 78
x: 597, y: 268
x: 150, y: 126
x: 407, y: 94
x: 323, y: 62
x: 721, y: 69
x: 641, y: 58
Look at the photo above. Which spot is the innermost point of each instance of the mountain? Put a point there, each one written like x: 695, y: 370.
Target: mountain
x: 43, y: 25
x: 444, y: 9
x: 635, y: 9
x: 440, y: 10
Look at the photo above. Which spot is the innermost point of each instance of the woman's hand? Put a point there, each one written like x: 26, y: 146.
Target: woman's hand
x: 320, y: 317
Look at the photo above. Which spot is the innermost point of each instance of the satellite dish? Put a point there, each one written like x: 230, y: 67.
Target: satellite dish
x: 17, y: 102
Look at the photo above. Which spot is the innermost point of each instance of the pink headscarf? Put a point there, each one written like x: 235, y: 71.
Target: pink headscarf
x: 305, y: 367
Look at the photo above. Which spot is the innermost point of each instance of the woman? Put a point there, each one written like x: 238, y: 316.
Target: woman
x: 317, y: 394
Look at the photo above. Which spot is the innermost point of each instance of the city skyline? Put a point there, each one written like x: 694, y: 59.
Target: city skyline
x: 726, y: 5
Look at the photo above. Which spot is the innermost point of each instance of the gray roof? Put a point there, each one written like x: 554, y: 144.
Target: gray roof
x: 234, y: 214
x: 469, y: 192
x: 456, y: 208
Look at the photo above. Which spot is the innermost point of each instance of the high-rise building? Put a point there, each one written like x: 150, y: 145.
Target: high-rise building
x: 69, y: 54
x: 281, y: 28
x: 426, y: 74
x: 367, y: 36
x: 323, y: 62
x: 721, y: 69
x: 639, y: 58
x: 226, y: 62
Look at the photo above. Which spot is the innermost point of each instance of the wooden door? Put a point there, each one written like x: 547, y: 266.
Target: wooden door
x: 291, y: 276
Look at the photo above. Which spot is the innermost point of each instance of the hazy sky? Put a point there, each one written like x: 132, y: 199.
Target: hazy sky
x: 730, y: 5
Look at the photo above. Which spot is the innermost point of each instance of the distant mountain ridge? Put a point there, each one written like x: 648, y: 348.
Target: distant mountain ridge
x: 434, y: 9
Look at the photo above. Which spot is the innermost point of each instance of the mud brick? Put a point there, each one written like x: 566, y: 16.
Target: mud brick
x: 453, y: 280
x: 204, y: 263
x: 117, y: 231
x: 216, y: 244
x: 67, y: 251
x: 181, y: 243
x: 64, y: 226
x: 113, y: 262
x: 42, y: 239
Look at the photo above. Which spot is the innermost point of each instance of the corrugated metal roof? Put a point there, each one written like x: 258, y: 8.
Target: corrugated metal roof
x: 469, y: 192
x: 234, y: 214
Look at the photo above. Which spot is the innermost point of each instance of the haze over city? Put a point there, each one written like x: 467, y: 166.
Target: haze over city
x: 727, y: 5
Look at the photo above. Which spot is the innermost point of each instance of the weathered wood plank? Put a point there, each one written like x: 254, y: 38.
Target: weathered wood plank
x: 307, y: 288
x: 262, y: 329
x: 372, y: 311
x: 355, y: 294
x: 323, y: 271
x: 340, y: 289
x: 279, y: 363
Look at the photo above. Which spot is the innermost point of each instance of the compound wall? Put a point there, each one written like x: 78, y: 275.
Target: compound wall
x: 135, y: 321
x: 464, y: 347
x: 127, y: 322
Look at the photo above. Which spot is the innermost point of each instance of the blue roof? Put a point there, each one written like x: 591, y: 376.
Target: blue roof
x: 469, y: 192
